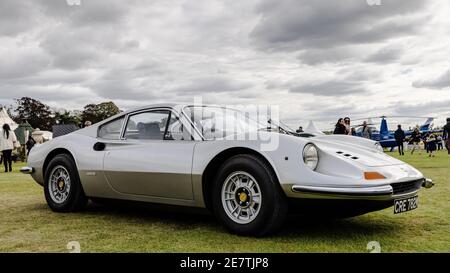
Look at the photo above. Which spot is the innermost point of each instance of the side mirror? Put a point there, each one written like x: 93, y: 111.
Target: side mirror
x: 99, y: 146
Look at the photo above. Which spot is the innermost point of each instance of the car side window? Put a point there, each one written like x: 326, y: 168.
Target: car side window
x: 176, y: 130
x: 147, y: 125
x: 111, y: 130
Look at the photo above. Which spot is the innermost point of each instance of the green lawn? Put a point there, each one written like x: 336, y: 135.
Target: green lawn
x: 28, y: 225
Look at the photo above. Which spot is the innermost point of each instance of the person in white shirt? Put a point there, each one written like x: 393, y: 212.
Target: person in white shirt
x: 8, y: 140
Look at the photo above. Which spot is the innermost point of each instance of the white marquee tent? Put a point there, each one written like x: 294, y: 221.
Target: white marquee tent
x: 4, y: 118
x: 313, y: 129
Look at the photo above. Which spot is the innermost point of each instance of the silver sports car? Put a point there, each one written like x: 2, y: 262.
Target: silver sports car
x: 213, y: 157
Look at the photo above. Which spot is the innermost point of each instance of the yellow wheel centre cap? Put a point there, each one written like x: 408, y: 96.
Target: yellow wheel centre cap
x: 243, y: 197
x: 61, y: 184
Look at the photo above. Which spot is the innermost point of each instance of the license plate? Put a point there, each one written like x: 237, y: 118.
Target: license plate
x: 407, y: 204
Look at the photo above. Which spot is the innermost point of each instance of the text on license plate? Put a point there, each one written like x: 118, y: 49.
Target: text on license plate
x: 407, y: 204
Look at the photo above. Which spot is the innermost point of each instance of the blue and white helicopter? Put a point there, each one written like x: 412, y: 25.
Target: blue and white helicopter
x: 385, y: 136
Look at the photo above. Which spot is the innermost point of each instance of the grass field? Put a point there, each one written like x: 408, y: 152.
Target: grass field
x: 28, y: 225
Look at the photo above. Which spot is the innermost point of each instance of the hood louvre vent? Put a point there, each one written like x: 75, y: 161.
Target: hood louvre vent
x: 347, y: 155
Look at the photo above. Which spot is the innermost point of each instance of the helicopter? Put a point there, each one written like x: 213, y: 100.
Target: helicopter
x: 385, y: 136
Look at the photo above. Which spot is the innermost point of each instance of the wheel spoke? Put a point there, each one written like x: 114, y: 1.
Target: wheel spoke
x: 256, y: 199
x: 239, y: 212
x: 249, y: 212
x: 253, y: 210
x: 250, y: 185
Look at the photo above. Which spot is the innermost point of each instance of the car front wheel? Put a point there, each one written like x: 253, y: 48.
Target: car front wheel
x: 247, y: 198
x: 62, y: 187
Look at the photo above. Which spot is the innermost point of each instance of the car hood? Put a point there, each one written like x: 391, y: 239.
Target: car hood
x: 351, y: 140
x: 357, y: 152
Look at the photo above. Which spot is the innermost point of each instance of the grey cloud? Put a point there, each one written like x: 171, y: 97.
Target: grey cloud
x: 361, y: 73
x: 134, y: 52
x: 22, y: 63
x: 212, y: 84
x: 136, y: 81
x: 385, y: 55
x: 329, y: 88
x: 433, y: 108
x: 293, y: 24
x: 16, y: 17
x: 90, y: 13
x: 441, y: 82
x: 80, y: 48
x: 51, y: 77
x: 332, y: 55
x: 87, y: 33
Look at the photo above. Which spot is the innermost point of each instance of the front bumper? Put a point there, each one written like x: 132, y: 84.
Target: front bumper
x: 383, y: 193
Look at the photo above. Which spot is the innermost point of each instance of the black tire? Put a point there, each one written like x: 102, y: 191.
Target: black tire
x: 76, y: 200
x: 274, y: 205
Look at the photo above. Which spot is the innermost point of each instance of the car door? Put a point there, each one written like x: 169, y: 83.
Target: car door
x: 153, y: 157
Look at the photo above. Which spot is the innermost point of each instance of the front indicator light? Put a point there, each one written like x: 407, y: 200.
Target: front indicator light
x: 373, y: 176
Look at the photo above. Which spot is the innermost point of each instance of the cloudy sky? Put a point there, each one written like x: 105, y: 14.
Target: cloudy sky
x: 316, y: 59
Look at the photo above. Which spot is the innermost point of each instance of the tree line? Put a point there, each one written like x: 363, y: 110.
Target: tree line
x: 40, y: 115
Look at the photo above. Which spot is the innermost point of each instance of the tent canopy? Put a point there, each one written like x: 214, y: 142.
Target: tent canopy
x: 4, y: 118
x: 20, y: 132
x: 313, y: 129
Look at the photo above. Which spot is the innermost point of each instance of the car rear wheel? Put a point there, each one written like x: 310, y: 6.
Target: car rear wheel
x: 247, y: 198
x: 62, y: 187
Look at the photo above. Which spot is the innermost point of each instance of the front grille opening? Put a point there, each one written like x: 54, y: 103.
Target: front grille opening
x: 406, y: 187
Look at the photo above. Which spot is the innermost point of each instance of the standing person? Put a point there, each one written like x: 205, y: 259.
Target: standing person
x: 439, y: 142
x: 7, y: 143
x: 348, y: 129
x: 340, y: 127
x: 415, y: 139
x: 366, y: 131
x: 425, y: 141
x: 399, y: 136
x: 446, y: 135
x: 431, y: 145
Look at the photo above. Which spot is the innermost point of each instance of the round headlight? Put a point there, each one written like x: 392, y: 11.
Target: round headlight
x: 311, y: 156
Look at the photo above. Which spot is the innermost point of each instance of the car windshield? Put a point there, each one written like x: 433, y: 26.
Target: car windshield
x: 219, y: 122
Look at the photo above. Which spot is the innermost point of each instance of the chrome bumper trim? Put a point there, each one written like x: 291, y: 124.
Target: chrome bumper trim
x: 370, y: 191
x: 27, y: 170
